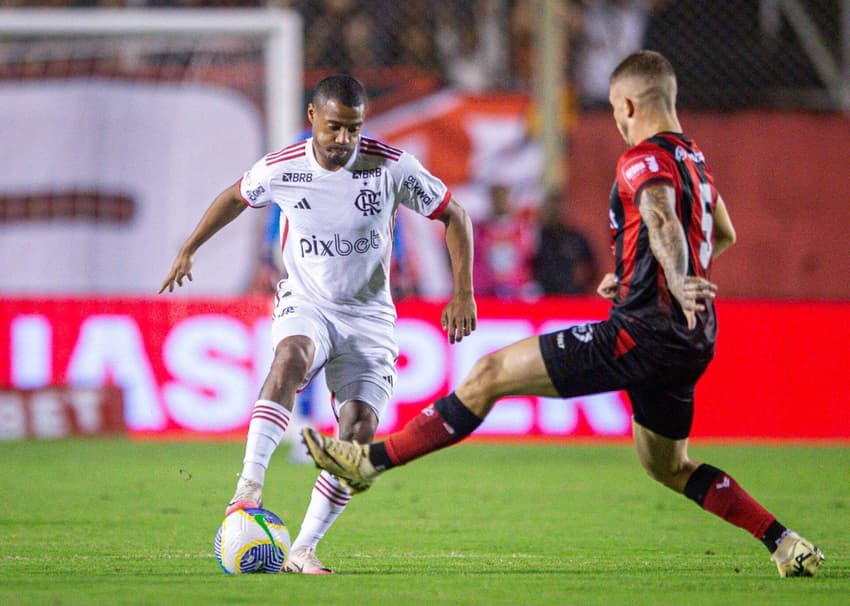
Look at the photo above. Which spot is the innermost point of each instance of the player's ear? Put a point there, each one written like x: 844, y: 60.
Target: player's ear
x: 311, y: 112
x: 630, y: 107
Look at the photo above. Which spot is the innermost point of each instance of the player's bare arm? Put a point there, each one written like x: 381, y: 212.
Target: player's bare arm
x: 225, y: 208
x: 723, y: 235
x: 657, y: 205
x: 460, y: 316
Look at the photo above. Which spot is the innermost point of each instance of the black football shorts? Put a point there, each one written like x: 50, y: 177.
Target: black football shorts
x: 618, y: 353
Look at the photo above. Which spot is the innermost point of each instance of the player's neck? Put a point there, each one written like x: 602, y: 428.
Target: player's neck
x: 659, y: 124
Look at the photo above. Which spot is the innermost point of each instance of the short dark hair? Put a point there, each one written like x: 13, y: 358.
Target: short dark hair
x: 343, y: 88
x: 654, y: 68
x: 644, y: 63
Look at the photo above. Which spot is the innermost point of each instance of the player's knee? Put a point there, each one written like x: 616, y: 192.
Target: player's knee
x: 481, y: 386
x: 293, y: 355
x: 362, y: 431
x: 357, y: 421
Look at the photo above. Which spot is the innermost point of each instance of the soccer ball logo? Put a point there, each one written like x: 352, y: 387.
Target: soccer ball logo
x: 252, y: 540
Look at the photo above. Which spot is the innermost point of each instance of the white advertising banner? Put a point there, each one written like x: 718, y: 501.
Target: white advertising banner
x: 102, y: 180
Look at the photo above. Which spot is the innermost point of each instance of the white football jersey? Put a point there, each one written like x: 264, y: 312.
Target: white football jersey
x: 337, y: 226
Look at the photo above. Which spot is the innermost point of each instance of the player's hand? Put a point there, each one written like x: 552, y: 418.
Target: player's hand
x: 460, y: 317
x: 181, y: 268
x: 695, y: 291
x: 607, y: 287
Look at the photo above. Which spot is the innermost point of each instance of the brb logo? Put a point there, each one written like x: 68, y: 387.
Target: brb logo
x: 339, y: 247
x: 297, y: 177
x: 369, y: 173
x: 368, y: 202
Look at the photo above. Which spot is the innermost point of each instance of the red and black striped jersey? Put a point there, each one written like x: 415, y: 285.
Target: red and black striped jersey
x: 672, y: 159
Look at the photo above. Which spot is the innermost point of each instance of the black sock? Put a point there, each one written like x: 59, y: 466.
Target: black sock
x: 450, y: 411
x: 378, y: 456
x: 458, y: 416
x: 773, y: 535
x: 700, y: 481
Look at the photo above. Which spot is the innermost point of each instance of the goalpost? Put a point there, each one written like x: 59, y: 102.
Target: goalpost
x: 279, y: 29
x: 120, y: 122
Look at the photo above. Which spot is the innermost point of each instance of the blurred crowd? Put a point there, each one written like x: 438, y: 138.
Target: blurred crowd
x: 524, y: 252
x: 475, y: 46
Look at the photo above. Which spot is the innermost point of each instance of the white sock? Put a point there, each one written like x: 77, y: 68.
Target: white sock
x: 268, y: 424
x: 327, y: 502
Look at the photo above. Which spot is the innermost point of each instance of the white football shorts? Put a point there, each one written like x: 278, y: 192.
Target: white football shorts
x: 359, y: 354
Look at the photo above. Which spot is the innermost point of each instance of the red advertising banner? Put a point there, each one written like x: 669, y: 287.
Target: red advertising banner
x: 193, y: 367
x: 60, y: 412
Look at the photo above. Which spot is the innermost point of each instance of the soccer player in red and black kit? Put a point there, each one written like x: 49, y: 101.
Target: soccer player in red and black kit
x: 668, y: 223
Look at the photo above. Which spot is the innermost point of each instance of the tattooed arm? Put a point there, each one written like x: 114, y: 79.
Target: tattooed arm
x: 657, y: 205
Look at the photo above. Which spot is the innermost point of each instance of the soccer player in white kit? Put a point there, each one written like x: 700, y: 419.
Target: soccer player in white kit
x: 338, y: 193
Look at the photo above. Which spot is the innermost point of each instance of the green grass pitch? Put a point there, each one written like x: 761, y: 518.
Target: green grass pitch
x: 114, y: 521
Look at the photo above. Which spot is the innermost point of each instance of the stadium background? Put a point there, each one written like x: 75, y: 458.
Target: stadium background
x: 116, y: 143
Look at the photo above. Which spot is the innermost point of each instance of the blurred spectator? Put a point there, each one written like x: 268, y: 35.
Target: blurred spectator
x: 504, y: 245
x: 521, y: 29
x: 745, y: 73
x: 564, y: 263
x: 415, y: 38
x: 470, y: 39
x: 609, y: 30
x: 342, y: 36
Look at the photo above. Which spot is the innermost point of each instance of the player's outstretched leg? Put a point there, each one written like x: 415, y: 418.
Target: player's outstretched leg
x: 348, y: 461
x: 437, y: 426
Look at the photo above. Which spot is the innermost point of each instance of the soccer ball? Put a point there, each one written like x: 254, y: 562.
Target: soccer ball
x: 252, y: 540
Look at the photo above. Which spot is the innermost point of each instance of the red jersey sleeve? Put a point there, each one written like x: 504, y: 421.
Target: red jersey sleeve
x: 642, y: 164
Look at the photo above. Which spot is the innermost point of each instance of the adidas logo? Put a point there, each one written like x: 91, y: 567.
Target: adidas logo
x: 303, y: 204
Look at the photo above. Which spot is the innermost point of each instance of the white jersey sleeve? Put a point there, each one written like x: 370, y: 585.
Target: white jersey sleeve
x: 255, y: 185
x: 418, y: 189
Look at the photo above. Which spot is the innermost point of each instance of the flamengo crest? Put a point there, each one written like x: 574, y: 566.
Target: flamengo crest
x: 368, y: 202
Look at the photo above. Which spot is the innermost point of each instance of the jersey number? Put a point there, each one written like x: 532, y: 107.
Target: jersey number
x: 706, y: 225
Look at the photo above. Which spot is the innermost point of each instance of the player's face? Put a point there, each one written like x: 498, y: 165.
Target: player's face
x: 336, y: 130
